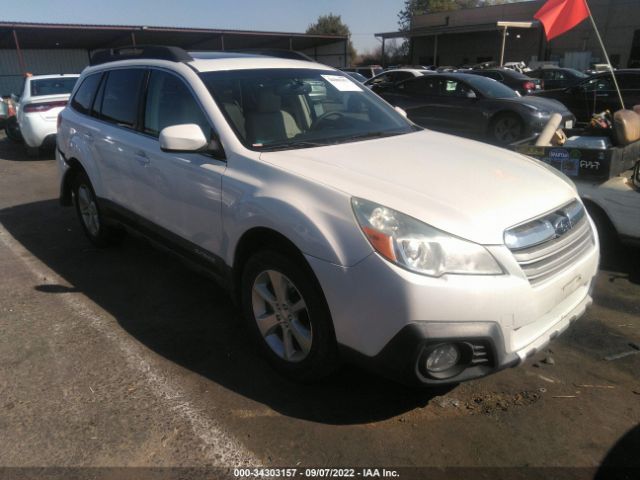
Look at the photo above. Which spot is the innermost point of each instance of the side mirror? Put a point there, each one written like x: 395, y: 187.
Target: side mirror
x: 185, y: 138
x: 401, y: 111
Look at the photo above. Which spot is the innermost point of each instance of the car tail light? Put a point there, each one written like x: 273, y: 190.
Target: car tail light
x: 43, y: 107
x: 11, y: 112
x: 542, y: 84
x: 529, y: 85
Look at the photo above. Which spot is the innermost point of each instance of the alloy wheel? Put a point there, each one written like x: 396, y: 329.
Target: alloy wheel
x: 282, y: 316
x: 88, y: 210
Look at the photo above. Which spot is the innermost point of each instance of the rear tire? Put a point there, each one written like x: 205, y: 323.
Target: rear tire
x: 89, y: 214
x: 287, y: 315
x: 32, y: 152
x: 12, y: 130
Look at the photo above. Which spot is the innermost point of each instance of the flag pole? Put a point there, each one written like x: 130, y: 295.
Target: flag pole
x: 606, y: 57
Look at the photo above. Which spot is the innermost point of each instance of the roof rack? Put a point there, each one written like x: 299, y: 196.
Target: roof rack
x: 136, y: 52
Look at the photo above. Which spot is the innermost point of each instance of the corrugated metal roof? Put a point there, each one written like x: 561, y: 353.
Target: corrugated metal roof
x: 92, y: 37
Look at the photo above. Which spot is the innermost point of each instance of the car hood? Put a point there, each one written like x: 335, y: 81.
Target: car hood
x: 540, y: 103
x: 466, y: 188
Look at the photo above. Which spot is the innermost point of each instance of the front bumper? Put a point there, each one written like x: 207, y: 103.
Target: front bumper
x: 384, y: 316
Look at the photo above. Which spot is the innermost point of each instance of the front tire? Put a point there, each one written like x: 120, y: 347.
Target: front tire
x: 89, y: 214
x: 287, y: 315
x: 506, y: 128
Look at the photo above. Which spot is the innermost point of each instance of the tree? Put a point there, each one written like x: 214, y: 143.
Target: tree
x: 332, y: 25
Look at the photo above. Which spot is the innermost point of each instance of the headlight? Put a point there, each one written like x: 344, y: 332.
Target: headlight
x: 419, y: 247
x: 543, y: 113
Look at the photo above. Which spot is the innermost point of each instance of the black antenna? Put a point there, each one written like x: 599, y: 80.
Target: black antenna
x: 151, y: 52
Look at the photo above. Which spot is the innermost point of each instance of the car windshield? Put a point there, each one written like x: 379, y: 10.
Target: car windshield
x: 52, y: 86
x: 490, y: 88
x: 272, y: 109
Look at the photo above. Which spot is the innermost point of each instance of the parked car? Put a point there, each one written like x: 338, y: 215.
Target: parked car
x: 517, y: 81
x: 390, y: 77
x: 4, y: 111
x: 520, y: 67
x: 11, y: 127
x: 556, y: 77
x: 344, y: 230
x: 598, y: 93
x: 357, y: 76
x: 366, y: 71
x: 473, y: 106
x: 43, y: 98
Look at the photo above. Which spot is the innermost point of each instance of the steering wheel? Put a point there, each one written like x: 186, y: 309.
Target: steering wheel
x: 336, y: 115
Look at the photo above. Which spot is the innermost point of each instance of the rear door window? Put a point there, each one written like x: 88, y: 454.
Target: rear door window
x: 121, y: 96
x: 83, y: 99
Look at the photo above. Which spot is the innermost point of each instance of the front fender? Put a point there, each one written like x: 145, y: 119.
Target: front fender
x: 317, y: 219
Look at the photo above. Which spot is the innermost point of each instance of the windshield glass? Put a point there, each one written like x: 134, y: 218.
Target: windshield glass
x: 490, y: 88
x: 577, y: 73
x: 299, y: 108
x: 52, y: 86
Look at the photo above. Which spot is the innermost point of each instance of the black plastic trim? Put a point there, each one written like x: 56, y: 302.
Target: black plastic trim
x: 398, y: 359
x: 196, y: 256
x: 140, y: 52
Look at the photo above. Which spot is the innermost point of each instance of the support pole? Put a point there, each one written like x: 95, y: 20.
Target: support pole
x: 222, y: 42
x: 606, y: 57
x: 435, y: 50
x: 23, y: 66
x: 504, y: 43
x: 382, y: 53
x: 133, y: 39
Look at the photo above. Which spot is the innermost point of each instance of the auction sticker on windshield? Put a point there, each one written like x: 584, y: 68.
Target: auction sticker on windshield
x: 343, y: 84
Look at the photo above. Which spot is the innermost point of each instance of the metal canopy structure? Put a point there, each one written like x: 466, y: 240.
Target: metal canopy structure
x: 92, y: 37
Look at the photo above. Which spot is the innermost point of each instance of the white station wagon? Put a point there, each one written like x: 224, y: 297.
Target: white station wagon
x: 344, y: 231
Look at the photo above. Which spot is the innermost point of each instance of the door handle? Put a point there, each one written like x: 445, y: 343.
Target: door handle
x: 141, y: 157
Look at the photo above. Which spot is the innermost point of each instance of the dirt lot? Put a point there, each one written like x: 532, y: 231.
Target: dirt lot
x: 125, y: 357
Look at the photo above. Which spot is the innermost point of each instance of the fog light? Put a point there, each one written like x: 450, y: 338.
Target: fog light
x: 442, y: 358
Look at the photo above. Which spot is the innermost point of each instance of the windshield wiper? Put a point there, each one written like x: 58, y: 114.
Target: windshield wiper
x: 289, y: 145
x: 364, y: 136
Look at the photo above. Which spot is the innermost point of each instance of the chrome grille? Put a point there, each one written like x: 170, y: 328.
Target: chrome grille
x: 571, y: 238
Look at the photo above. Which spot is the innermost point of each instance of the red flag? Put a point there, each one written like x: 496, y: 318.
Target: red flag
x: 558, y: 16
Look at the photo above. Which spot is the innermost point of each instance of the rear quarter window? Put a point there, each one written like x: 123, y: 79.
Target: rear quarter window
x: 83, y: 99
x: 121, y: 95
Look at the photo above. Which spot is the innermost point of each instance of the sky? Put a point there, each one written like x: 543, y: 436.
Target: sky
x: 364, y: 17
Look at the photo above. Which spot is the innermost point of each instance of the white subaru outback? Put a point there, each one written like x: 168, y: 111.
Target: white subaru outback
x: 343, y: 230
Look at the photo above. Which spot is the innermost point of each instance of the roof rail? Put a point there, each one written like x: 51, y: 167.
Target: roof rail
x: 155, y: 52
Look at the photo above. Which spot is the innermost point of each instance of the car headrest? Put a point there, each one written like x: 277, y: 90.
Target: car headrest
x: 269, y: 102
x: 626, y: 126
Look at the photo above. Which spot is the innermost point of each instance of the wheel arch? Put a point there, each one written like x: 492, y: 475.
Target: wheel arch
x: 66, y: 188
x: 264, y: 238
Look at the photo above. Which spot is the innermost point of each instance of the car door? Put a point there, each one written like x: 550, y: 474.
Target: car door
x: 381, y: 82
x: 600, y: 94
x: 114, y: 138
x: 550, y: 78
x: 183, y: 189
x: 460, y: 108
x: 419, y: 98
x: 629, y: 83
